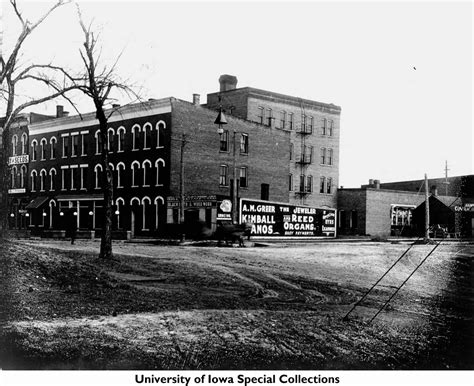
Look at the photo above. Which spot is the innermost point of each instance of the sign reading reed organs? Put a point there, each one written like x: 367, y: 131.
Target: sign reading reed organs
x: 277, y: 219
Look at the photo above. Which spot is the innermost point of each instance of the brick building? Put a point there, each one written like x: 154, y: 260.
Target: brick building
x: 63, y: 175
x: 314, y: 129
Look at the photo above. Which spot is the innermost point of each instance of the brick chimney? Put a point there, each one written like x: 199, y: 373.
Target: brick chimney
x: 227, y: 82
x: 196, y: 99
x: 59, y: 111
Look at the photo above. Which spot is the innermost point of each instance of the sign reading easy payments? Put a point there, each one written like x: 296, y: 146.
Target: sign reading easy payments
x: 277, y: 219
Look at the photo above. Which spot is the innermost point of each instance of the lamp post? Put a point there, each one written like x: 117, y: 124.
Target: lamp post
x: 221, y: 120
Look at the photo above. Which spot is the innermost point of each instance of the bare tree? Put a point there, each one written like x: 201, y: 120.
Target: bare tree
x: 97, y: 81
x: 13, y: 72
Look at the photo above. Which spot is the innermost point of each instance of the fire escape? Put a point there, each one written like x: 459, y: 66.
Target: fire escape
x: 303, y: 160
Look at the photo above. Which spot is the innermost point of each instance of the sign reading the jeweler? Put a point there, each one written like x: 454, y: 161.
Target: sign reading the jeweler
x: 278, y: 219
x: 18, y: 159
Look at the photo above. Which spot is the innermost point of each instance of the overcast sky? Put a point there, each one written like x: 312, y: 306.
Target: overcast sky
x: 397, y: 122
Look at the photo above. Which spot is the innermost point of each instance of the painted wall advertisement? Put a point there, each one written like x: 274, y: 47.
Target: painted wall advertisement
x: 277, y: 219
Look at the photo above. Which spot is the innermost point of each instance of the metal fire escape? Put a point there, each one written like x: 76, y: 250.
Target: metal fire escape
x: 304, y: 159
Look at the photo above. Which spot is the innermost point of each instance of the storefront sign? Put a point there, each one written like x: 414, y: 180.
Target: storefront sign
x: 224, y: 211
x: 277, y: 219
x: 193, y: 201
x: 464, y: 208
x: 19, y: 159
x: 16, y: 191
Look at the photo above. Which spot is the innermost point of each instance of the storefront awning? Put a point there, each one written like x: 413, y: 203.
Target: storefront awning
x: 80, y: 197
x: 37, y: 202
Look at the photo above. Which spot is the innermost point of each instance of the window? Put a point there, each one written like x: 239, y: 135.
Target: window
x: 309, y: 124
x: 22, y: 176
x: 330, y: 127
x: 52, y: 176
x: 290, y: 182
x: 244, y: 177
x: 120, y: 139
x: 83, y: 144
x: 75, y: 145
x: 23, y: 143
x: 261, y: 115
x: 73, y: 177
x: 65, y: 146
x: 324, y: 126
x: 33, y: 180
x: 223, y: 175
x: 110, y: 139
x: 63, y: 179
x: 34, y: 146
x: 98, y: 173
x: 43, y: 149
x: 14, y: 145
x: 290, y: 121
x: 322, y: 182
x: 13, y: 174
x: 135, y: 134
x: 323, y: 156
x: 309, y: 184
x: 98, y: 142
x: 282, y: 119
x: 160, y: 140
x: 269, y: 117
x: 52, y: 142
x: 135, y: 167
x: 42, y: 180
x: 244, y: 143
x: 146, y: 173
x: 120, y: 169
x: 302, y: 178
x: 291, y: 151
x: 265, y: 192
x: 160, y: 172
x: 224, y: 141
x: 146, y: 136
x: 303, y: 123
x: 329, y: 156
x: 329, y: 185
x: 308, y: 154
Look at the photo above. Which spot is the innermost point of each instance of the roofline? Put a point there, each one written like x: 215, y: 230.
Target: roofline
x: 296, y: 100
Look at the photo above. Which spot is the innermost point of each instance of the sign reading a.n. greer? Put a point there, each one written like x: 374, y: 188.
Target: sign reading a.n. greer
x: 277, y: 219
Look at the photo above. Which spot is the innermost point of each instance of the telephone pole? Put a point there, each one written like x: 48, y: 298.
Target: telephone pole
x: 427, y: 211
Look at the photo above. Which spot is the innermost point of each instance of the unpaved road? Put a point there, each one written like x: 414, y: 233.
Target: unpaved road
x: 229, y: 308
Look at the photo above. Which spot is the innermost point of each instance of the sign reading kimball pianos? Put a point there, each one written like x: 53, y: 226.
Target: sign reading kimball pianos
x: 276, y: 219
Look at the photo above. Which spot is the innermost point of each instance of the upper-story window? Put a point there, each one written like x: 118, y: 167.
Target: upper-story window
x: 98, y: 174
x: 330, y: 151
x: 22, y: 176
x: 290, y: 182
x: 290, y: 121
x: 269, y: 117
x: 244, y: 183
x: 261, y: 115
x: 34, y: 146
x: 13, y: 174
x: 83, y: 143
x: 309, y: 124
x: 309, y: 184
x: 52, y: 177
x: 42, y: 180
x: 146, y: 165
x: 135, y: 167
x: 135, y: 136
x: 147, y: 136
x: 282, y: 119
x: 75, y: 145
x: 52, y: 143
x: 308, y: 154
x: 14, y: 145
x: 322, y: 183
x: 23, y: 143
x: 329, y: 185
x: 98, y: 142
x: 291, y: 151
x: 160, y: 171
x: 330, y: 127
x: 33, y: 175
x: 120, y: 139
x: 65, y: 146
x: 324, y: 127
x: 224, y: 141
x: 160, y: 140
x: 43, y: 148
x: 83, y: 176
x: 244, y: 143
x: 223, y: 175
x: 303, y: 122
x: 110, y: 139
x: 323, y: 156
x: 120, y: 169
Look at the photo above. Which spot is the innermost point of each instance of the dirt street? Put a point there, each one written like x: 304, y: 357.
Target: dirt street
x: 278, y: 307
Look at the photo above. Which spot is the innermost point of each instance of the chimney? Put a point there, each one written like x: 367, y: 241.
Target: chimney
x: 371, y: 183
x: 434, y: 190
x: 65, y: 113
x: 377, y: 184
x: 59, y: 111
x: 115, y: 105
x: 196, y: 99
x: 227, y: 82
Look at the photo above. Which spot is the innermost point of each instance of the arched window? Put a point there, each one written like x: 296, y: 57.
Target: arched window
x: 146, y: 202
x: 42, y: 179
x: 23, y: 143
x: 14, y: 145
x: 34, y: 145
x: 146, y: 173
x: 52, y: 143
x: 120, y: 139
x: 110, y: 139
x: 147, y: 135
x: 98, y: 142
x: 98, y: 173
x: 159, y: 202
x: 52, y: 178
x: 43, y: 148
x: 120, y: 170
x: 22, y: 176
x: 135, y: 133
x: 120, y: 203
x: 33, y: 175
x: 13, y: 174
x: 160, y: 134
x: 160, y: 171
x: 135, y: 167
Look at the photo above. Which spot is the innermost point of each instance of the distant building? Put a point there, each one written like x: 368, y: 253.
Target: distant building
x: 314, y: 129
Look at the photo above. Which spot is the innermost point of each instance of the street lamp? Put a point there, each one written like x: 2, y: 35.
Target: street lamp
x: 221, y: 120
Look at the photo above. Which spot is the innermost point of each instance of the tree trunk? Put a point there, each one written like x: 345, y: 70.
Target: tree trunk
x: 107, y: 186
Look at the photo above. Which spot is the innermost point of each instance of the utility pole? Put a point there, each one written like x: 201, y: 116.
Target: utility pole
x: 427, y: 211
x: 446, y: 183
x: 235, y: 185
x: 181, y: 188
